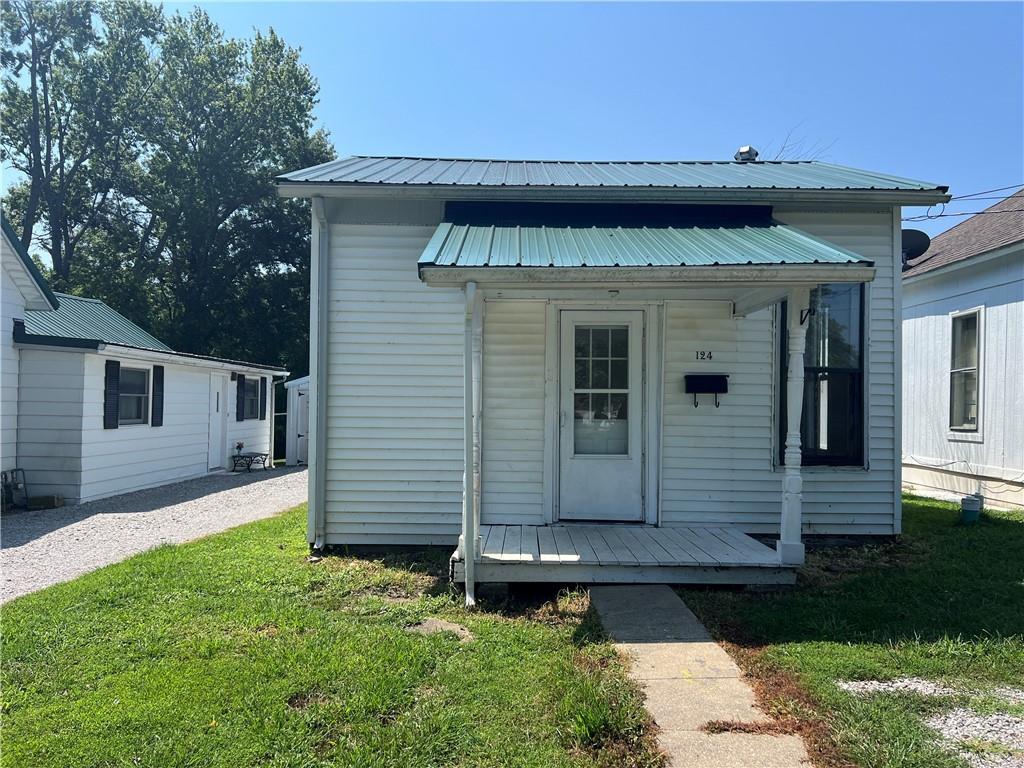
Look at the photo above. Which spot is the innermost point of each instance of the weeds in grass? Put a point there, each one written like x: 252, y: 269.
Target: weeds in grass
x: 942, y: 603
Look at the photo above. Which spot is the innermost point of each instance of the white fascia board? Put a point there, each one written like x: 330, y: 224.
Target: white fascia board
x: 296, y: 382
x: 156, y: 356
x: 971, y: 261
x: 633, y: 276
x: 613, y: 194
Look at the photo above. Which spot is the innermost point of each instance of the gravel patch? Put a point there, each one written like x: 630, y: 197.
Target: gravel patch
x: 960, y: 728
x: 900, y: 685
x: 924, y: 687
x: 45, y: 547
x: 1012, y: 695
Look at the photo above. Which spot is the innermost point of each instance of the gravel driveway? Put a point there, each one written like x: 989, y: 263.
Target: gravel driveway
x: 41, y: 548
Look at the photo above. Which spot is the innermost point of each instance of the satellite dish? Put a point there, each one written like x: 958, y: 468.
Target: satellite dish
x: 915, y: 243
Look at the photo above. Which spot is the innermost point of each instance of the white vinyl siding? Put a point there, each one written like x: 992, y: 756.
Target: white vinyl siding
x: 50, y: 421
x: 718, y: 464
x: 935, y: 456
x: 513, y: 403
x: 137, y: 456
x: 394, y: 400
x: 394, y: 381
x: 254, y: 432
x: 12, y: 305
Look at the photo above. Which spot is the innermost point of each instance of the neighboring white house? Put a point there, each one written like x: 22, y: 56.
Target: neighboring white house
x: 296, y: 435
x: 100, y: 407
x: 510, y: 354
x: 22, y: 288
x: 963, y: 374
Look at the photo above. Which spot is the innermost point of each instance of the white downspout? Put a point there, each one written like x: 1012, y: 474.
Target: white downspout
x: 790, y: 547
x: 467, y: 541
x: 316, y: 445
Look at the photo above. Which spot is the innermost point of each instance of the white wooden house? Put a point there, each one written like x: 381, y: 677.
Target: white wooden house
x: 597, y: 371
x: 94, y: 406
x: 963, y: 379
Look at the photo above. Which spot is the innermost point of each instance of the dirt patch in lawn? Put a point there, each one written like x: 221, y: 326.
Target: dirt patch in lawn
x: 436, y: 626
x: 793, y: 710
x: 301, y: 701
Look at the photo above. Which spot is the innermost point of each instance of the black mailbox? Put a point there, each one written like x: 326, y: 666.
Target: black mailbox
x: 706, y: 384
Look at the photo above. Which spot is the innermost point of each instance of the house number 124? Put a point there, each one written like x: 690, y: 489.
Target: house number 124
x: 702, y: 355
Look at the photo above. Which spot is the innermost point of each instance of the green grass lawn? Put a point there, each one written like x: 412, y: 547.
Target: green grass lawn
x: 944, y: 602
x: 235, y: 651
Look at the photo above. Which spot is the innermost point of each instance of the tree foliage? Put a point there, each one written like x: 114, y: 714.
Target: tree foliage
x: 161, y: 201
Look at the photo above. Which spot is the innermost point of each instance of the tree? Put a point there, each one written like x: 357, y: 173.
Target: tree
x: 154, y: 187
x: 229, y: 115
x: 76, y: 78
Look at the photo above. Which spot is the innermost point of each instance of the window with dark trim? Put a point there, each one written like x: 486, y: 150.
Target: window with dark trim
x: 133, y: 396
x: 832, y: 423
x: 963, y: 374
x: 252, y: 398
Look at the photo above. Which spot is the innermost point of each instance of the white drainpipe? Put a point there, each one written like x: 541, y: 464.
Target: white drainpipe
x: 467, y: 542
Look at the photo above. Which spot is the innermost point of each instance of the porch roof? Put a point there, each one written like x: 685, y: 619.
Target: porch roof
x: 658, y: 252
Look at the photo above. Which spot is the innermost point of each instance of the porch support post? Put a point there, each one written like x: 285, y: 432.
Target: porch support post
x: 468, y: 546
x: 790, y: 547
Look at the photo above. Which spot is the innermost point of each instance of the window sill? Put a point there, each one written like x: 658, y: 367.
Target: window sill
x: 818, y: 469
x: 965, y: 437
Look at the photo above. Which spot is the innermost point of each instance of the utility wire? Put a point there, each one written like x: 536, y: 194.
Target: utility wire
x: 985, y: 192
x: 927, y: 217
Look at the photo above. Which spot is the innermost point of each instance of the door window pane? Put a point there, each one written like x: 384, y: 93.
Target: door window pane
x: 582, y: 342
x: 619, y: 374
x: 600, y: 398
x: 619, y: 342
x: 582, y: 373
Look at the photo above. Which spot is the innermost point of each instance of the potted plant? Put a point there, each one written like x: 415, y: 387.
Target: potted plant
x: 238, y: 448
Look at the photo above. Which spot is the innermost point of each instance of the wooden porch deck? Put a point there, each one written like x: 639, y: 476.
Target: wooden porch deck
x: 623, y: 554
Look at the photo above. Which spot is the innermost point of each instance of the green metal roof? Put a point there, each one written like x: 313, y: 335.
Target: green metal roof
x: 30, y: 266
x: 675, y: 174
x: 81, y: 318
x: 461, y: 245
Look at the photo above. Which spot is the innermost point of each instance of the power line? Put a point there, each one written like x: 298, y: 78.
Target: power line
x: 926, y: 217
x: 986, y: 191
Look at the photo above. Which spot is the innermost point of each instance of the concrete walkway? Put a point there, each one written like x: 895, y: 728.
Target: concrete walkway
x: 689, y: 680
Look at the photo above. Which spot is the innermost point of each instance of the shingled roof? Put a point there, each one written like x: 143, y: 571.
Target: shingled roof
x: 998, y: 226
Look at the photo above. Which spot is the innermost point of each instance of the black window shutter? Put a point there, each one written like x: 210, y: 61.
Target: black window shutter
x: 240, y: 398
x: 157, y: 418
x: 263, y: 398
x: 111, y: 393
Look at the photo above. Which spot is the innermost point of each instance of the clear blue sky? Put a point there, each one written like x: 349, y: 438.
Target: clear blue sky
x: 933, y: 91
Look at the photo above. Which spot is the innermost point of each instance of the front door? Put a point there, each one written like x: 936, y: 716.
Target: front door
x: 302, y: 440
x: 601, y: 423
x: 218, y: 452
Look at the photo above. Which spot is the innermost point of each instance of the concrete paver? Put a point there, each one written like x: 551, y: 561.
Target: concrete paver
x: 689, y: 680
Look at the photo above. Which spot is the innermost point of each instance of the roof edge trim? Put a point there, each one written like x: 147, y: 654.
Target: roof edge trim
x: 30, y: 265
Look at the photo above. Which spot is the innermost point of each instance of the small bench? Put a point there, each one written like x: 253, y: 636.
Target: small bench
x: 248, y: 459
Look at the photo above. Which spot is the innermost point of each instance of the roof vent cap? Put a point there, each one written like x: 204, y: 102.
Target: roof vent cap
x: 745, y: 154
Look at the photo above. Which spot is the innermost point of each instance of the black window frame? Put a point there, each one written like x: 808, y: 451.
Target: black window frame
x: 251, y: 401
x: 811, y: 457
